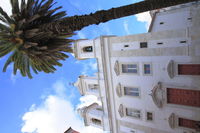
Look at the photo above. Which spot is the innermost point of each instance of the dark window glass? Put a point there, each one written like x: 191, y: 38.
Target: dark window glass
x: 149, y: 116
x: 143, y: 45
x: 87, y: 49
x: 147, y: 69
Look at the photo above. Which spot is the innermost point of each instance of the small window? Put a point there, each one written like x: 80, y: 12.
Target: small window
x: 133, y: 113
x: 87, y: 49
x: 143, y: 45
x: 99, y: 109
x: 161, y: 23
x: 96, y: 121
x: 147, y: 69
x: 129, y: 91
x: 149, y: 116
x: 183, y: 41
x: 93, y: 86
x: 126, y: 46
x: 159, y: 43
x: 129, y: 68
x: 189, y: 18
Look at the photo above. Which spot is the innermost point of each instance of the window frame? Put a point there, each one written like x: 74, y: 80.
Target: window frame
x: 96, y: 124
x: 146, y: 116
x: 129, y: 63
x: 123, y: 91
x: 84, y: 47
x: 151, y: 69
x: 96, y: 87
x: 129, y: 116
x: 142, y: 43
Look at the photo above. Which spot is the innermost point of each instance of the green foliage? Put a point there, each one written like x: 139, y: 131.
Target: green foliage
x: 29, y: 46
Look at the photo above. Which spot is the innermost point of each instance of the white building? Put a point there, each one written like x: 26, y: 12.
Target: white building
x: 147, y: 83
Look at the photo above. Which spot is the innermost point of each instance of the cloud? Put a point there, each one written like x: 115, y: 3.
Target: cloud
x: 105, y: 28
x: 81, y: 35
x: 125, y: 23
x: 5, y: 4
x: 88, y: 100
x: 54, y: 115
x: 13, y: 77
x: 145, y: 18
x: 88, y: 67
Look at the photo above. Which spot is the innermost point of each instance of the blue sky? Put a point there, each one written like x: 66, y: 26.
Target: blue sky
x: 46, y: 103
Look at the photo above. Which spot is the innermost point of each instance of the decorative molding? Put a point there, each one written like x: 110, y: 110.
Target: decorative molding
x: 172, y: 120
x: 158, y: 95
x: 121, y: 110
x: 170, y: 69
x: 119, y: 90
x: 116, y: 68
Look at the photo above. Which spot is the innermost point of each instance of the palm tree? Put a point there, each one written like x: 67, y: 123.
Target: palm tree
x: 36, y: 35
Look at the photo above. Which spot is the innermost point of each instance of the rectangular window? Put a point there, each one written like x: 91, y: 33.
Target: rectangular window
x: 93, y: 86
x: 189, y: 69
x: 129, y: 68
x: 182, y: 122
x: 130, y: 91
x: 96, y: 121
x: 143, y: 44
x: 149, y: 116
x: 147, y: 69
x: 133, y: 113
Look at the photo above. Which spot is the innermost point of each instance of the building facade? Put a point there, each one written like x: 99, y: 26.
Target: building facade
x: 147, y: 83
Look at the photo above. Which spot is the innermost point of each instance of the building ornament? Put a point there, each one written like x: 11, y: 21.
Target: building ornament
x: 121, y: 110
x: 170, y: 69
x: 116, y: 68
x: 119, y: 90
x: 172, y: 120
x: 157, y: 95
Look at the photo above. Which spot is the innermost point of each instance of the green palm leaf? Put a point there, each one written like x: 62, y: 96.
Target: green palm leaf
x: 32, y: 49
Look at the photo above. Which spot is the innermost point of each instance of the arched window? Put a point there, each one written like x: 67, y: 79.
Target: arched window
x: 87, y: 49
x: 96, y: 121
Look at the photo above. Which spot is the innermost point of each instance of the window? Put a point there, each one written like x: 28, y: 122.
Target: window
x: 87, y: 49
x: 149, y: 116
x: 143, y: 44
x: 188, y: 69
x: 99, y: 109
x: 93, y: 86
x: 129, y: 68
x: 147, y: 69
x: 96, y: 121
x: 133, y: 113
x: 161, y: 23
x: 130, y: 91
x: 159, y: 43
x: 183, y: 41
x: 126, y: 46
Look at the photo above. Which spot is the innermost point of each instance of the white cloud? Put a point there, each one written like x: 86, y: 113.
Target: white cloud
x: 54, y: 115
x: 105, y: 27
x: 5, y: 4
x: 145, y: 18
x: 88, y: 100
x: 81, y: 35
x: 88, y: 67
x: 125, y: 23
x: 13, y: 77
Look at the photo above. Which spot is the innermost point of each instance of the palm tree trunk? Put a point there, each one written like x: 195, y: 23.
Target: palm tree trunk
x: 74, y: 23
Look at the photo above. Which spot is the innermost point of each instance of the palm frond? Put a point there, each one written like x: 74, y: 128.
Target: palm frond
x: 32, y: 49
